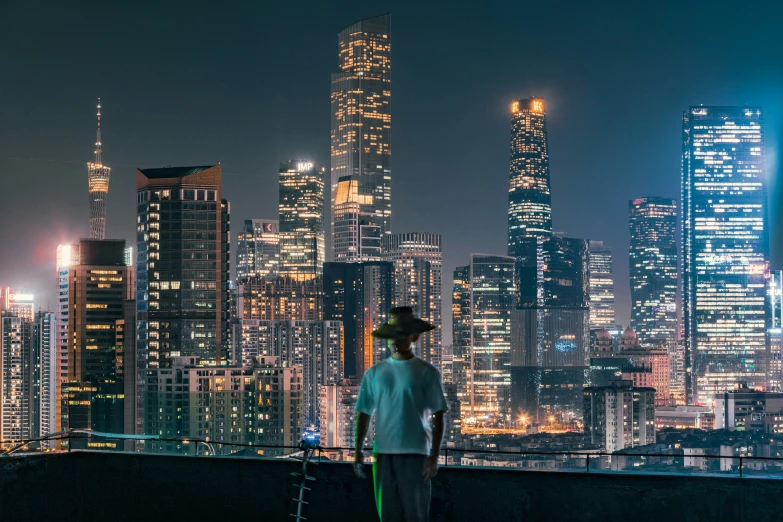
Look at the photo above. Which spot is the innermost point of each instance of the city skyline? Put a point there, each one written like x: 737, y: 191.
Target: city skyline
x: 463, y: 231
x: 153, y: 335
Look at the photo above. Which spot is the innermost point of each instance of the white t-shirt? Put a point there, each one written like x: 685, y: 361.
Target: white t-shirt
x: 403, y: 394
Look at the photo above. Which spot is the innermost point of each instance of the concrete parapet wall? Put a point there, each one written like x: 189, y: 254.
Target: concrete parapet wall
x: 117, y: 487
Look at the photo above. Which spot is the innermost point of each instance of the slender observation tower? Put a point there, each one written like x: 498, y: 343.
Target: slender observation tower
x: 98, y: 183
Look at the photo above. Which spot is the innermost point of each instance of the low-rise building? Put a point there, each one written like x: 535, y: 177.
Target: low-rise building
x: 619, y: 416
x: 260, y: 403
x: 684, y: 417
x: 746, y: 409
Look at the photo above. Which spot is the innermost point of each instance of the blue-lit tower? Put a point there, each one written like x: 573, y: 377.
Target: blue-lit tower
x: 725, y: 250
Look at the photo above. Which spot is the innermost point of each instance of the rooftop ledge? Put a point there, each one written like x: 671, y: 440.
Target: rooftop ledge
x: 116, y: 487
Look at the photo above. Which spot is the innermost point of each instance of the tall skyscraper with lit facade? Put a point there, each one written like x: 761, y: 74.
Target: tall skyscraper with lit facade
x: 97, y: 289
x: 601, y: 286
x: 484, y: 297
x: 183, y: 264
x: 529, y: 200
x: 301, y: 215
x: 653, y: 268
x: 98, y: 185
x: 461, y: 334
x: 418, y: 266
x: 44, y: 376
x: 361, y: 135
x: 27, y: 372
x: 725, y: 250
x: 15, y: 382
x: 258, y: 249
x: 550, y: 327
x: 67, y: 256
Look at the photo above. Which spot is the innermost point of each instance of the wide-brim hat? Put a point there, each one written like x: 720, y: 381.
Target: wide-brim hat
x: 402, y: 324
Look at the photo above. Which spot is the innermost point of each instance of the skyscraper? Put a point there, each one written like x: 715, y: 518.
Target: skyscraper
x: 653, y: 268
x: 183, y: 264
x: 361, y: 130
x: 725, y: 249
x: 44, y: 377
x: 360, y: 295
x: 484, y: 297
x: 301, y: 214
x: 418, y: 266
x: 601, y: 286
x: 15, y: 378
x: 461, y: 320
x: 67, y: 256
x: 132, y: 375
x: 97, y: 289
x: 98, y: 184
x: 258, y: 249
x: 550, y: 327
x: 529, y: 201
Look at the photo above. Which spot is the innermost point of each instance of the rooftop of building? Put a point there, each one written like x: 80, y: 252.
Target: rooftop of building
x: 173, y: 172
x: 137, y: 486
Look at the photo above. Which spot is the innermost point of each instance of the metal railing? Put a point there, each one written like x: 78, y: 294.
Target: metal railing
x: 568, y: 461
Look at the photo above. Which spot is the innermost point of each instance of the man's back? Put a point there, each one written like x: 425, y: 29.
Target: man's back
x: 403, y: 394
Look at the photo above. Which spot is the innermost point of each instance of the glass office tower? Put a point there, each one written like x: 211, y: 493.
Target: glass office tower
x: 601, y: 286
x: 725, y: 250
x: 361, y: 130
x: 484, y: 297
x: 550, y: 328
x: 653, y: 268
x: 258, y: 249
x: 301, y: 215
x: 183, y: 264
x: 418, y: 264
x: 529, y: 201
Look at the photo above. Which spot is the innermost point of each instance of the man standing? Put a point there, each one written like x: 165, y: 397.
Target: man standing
x: 405, y: 393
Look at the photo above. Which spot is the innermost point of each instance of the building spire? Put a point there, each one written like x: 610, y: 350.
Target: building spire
x: 98, y: 137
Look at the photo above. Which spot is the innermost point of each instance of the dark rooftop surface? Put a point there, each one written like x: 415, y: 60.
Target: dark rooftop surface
x: 173, y: 172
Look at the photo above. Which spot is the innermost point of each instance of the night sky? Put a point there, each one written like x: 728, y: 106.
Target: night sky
x: 248, y: 86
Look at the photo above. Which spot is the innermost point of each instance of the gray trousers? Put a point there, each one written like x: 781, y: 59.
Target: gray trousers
x: 401, y: 493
